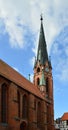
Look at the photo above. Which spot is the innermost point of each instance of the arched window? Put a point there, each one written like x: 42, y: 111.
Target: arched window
x: 47, y: 114
x: 38, y: 81
x: 18, y: 96
x: 4, y: 104
x: 35, y: 104
x: 23, y: 126
x: 39, y: 114
x: 47, y: 86
x: 24, y: 107
x: 38, y: 69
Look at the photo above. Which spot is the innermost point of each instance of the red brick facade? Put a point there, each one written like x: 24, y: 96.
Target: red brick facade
x: 39, y: 109
x: 46, y: 92
x: 25, y: 105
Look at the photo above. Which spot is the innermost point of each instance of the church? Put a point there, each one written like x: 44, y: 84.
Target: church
x: 25, y: 105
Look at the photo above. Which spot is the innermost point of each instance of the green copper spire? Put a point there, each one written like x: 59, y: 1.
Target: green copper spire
x: 49, y: 61
x: 35, y: 62
x: 42, y: 55
x: 42, y: 80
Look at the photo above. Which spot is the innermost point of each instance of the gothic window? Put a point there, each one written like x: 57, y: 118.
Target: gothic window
x: 25, y: 107
x: 47, y: 113
x: 38, y: 81
x: 23, y: 126
x: 34, y: 104
x: 47, y: 87
x: 39, y: 114
x: 18, y: 95
x: 4, y: 97
x: 38, y: 69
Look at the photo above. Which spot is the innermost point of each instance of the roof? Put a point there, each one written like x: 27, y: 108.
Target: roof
x: 14, y: 76
x: 42, y: 54
x: 65, y: 116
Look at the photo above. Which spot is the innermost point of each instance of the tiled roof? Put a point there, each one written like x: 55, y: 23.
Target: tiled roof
x: 11, y: 74
x: 65, y: 116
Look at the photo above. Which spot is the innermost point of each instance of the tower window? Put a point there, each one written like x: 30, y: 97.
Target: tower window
x: 38, y: 81
x: 4, y: 103
x: 38, y: 69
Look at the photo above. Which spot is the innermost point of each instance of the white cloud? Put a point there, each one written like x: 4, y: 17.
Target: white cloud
x: 59, y: 53
x: 62, y: 71
x: 32, y: 61
x: 19, y: 12
x: 64, y: 74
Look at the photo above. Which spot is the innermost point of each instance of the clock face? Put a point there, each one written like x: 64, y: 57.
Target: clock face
x: 47, y: 69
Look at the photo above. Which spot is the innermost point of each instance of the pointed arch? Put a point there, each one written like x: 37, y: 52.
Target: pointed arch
x: 39, y: 114
x: 4, y: 103
x: 24, y: 107
x: 48, y: 113
x: 35, y: 104
x: 38, y: 69
x: 23, y: 126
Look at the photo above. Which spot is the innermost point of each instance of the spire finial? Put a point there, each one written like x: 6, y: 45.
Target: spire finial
x: 41, y: 17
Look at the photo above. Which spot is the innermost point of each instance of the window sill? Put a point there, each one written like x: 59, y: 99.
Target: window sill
x: 4, y: 124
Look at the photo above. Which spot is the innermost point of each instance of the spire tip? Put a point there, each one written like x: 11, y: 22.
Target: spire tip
x: 41, y: 17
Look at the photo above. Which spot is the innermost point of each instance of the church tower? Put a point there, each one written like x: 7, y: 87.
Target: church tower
x: 42, y: 66
x: 43, y: 77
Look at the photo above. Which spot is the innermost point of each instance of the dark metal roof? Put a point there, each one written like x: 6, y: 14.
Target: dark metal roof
x: 42, y: 55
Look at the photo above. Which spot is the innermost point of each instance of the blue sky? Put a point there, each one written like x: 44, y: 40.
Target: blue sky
x: 19, y: 33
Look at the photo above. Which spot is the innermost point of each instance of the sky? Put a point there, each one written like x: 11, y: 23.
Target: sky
x: 19, y: 34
